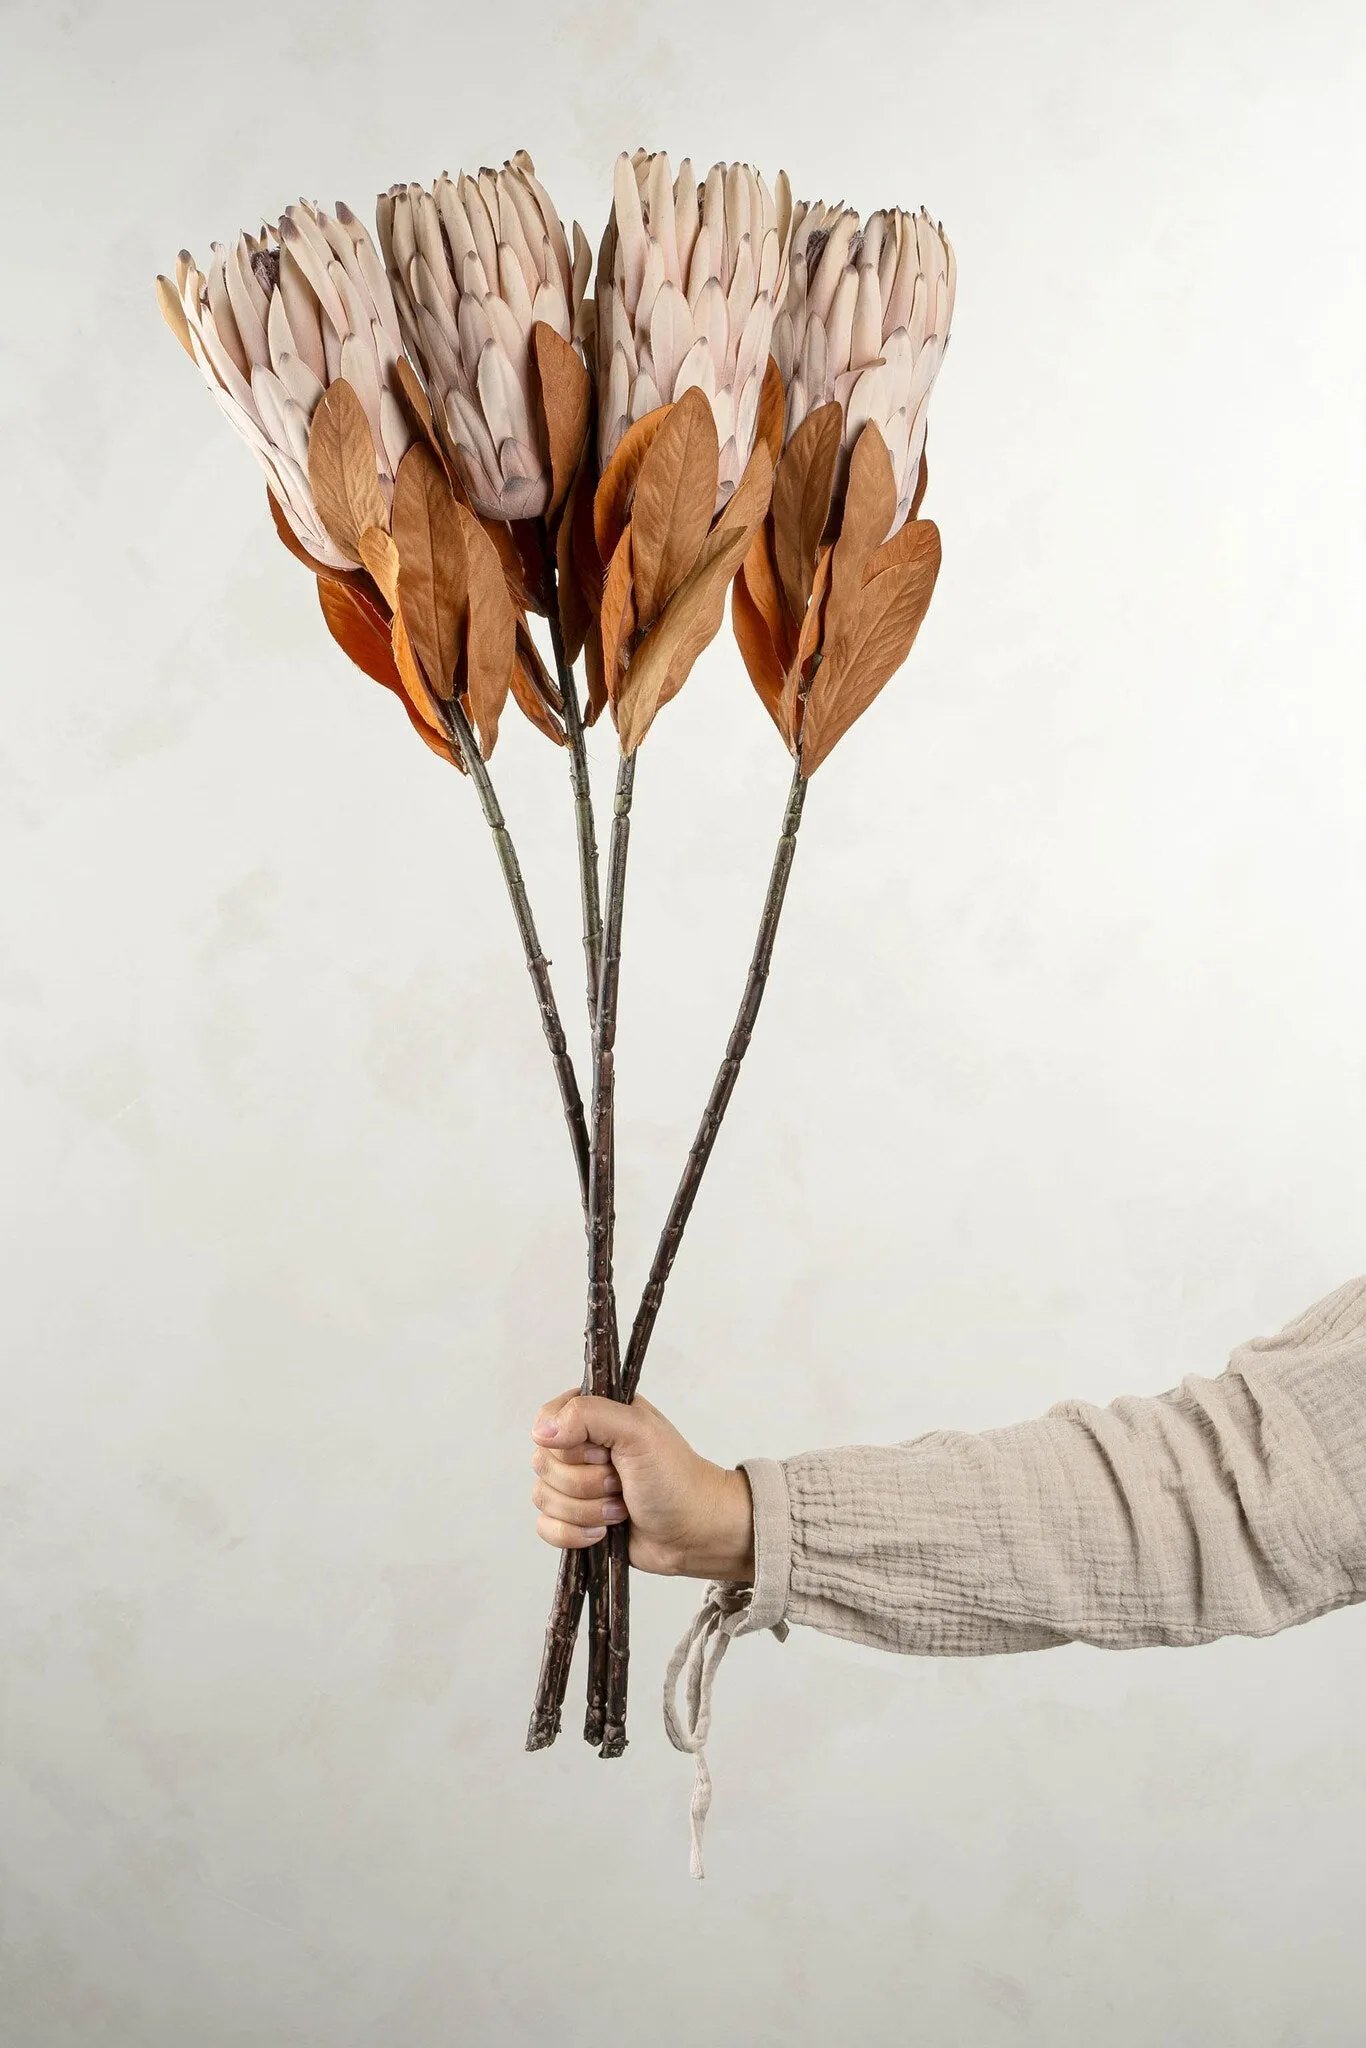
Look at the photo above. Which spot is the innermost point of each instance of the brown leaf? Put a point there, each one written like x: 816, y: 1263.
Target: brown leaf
x: 692, y: 618
x: 612, y: 498
x: 343, y: 473
x: 579, y: 570
x: 532, y: 688
x: 617, y: 618
x: 376, y: 549
x: 359, y: 630
x: 761, y: 577
x: 490, y: 634
x: 418, y: 405
x: 772, y: 408
x: 414, y: 682
x: 891, y: 607
x: 869, y: 509
x: 529, y: 654
x: 361, y: 633
x: 921, y: 482
x: 566, y: 402
x: 595, y: 671
x: 433, y: 568
x: 802, y: 491
x: 808, y: 644
x: 756, y: 648
x: 297, y: 548
x: 674, y: 499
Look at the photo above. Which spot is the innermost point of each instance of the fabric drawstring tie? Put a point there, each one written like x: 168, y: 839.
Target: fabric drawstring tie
x: 723, y: 1614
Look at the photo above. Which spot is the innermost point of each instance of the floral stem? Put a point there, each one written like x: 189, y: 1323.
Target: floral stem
x: 538, y: 967
x: 583, y: 808
x: 568, y: 1613
x: 576, y: 1567
x: 722, y: 1089
x: 605, y: 1723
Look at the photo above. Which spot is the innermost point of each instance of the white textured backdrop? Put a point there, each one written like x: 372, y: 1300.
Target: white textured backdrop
x: 1061, y: 1088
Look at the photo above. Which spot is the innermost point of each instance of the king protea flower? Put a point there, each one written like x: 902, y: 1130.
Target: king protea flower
x: 475, y: 264
x: 689, y: 279
x: 276, y: 320
x: 865, y: 324
x: 839, y: 577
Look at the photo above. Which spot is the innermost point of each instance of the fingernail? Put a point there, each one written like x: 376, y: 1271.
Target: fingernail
x: 610, y: 1483
x: 594, y: 1454
x: 547, y: 1429
x: 595, y: 1535
x: 614, y: 1510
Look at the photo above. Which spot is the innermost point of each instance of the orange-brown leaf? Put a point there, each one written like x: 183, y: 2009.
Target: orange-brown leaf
x: 616, y: 619
x: 675, y: 496
x: 433, y: 567
x: 692, y: 618
x: 611, y: 500
x: 772, y: 407
x: 808, y: 644
x: 802, y: 490
x: 418, y: 405
x: 891, y: 607
x: 579, y: 571
x: 757, y: 650
x: 532, y: 688
x: 595, y: 671
x: 921, y: 483
x: 359, y: 630
x: 376, y: 549
x: 869, y: 509
x: 762, y: 579
x: 343, y: 472
x: 414, y: 682
x: 491, y: 633
x: 566, y: 401
x: 297, y: 548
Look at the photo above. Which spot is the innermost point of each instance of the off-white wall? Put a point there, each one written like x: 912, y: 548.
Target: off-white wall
x: 1061, y: 1089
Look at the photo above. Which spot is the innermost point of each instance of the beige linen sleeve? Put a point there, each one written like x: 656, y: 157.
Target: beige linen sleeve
x: 1230, y: 1506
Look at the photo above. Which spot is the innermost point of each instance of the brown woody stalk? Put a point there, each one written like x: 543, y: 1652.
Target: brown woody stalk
x: 605, y: 1722
x: 538, y: 967
x: 573, y: 1575
x: 576, y: 1566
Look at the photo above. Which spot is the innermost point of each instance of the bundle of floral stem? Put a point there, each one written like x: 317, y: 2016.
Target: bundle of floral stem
x: 458, y: 438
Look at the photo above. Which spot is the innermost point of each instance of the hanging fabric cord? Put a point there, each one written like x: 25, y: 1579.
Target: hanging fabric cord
x: 696, y: 1660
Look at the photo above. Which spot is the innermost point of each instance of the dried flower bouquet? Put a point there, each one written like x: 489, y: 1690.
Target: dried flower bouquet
x: 457, y: 436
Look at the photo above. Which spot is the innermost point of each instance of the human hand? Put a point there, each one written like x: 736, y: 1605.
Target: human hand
x: 598, y: 1462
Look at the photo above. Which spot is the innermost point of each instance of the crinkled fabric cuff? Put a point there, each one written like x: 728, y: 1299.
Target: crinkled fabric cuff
x: 772, y: 1544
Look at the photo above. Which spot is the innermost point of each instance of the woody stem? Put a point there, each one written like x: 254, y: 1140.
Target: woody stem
x: 576, y: 1567
x: 606, y: 1719
x: 538, y: 967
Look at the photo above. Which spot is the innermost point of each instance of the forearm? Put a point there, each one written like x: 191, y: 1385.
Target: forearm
x: 1230, y: 1506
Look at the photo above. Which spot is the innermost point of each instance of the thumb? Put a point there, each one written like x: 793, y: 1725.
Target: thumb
x: 588, y: 1419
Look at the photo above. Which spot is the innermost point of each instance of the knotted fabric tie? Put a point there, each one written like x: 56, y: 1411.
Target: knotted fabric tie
x: 722, y: 1614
